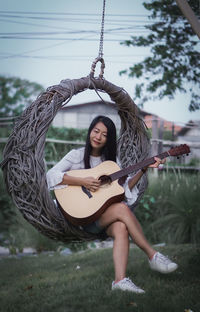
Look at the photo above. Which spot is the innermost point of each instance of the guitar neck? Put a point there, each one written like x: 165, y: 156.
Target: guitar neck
x: 124, y: 172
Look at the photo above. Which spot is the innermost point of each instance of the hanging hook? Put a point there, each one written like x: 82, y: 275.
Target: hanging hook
x: 98, y: 59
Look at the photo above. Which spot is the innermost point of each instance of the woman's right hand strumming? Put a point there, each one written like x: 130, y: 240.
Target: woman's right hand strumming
x: 91, y: 183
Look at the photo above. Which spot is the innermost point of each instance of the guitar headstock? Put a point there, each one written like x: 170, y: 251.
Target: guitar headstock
x: 179, y: 150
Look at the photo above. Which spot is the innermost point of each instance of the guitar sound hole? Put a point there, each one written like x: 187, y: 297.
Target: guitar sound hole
x: 105, y: 179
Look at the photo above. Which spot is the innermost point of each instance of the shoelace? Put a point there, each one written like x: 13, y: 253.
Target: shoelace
x: 163, y: 259
x: 127, y: 280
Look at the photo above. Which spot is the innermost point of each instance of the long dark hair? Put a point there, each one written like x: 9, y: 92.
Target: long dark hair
x: 109, y: 151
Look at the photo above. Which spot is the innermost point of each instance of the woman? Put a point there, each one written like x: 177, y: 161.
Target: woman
x: 118, y: 220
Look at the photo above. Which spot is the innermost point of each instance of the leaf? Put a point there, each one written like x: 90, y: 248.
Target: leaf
x: 146, y: 206
x: 152, y: 200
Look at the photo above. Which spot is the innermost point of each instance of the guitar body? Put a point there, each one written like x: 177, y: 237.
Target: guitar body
x: 80, y: 206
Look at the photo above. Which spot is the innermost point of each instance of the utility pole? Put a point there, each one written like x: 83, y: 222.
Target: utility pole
x: 190, y: 16
x: 161, y: 130
x: 154, y: 146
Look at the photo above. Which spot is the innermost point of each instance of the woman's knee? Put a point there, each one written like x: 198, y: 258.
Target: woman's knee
x: 119, y: 229
x: 121, y: 210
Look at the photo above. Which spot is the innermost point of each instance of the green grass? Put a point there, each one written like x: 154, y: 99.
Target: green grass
x: 52, y: 283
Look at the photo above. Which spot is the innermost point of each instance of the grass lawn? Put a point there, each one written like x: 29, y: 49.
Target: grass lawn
x: 82, y: 282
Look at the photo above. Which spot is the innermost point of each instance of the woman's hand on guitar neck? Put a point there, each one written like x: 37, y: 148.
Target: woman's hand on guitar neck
x: 158, y: 162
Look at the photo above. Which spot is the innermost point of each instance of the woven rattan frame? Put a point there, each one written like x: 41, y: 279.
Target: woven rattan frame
x: 23, y: 158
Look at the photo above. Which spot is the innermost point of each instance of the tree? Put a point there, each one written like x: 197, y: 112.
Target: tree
x: 174, y: 64
x: 16, y: 94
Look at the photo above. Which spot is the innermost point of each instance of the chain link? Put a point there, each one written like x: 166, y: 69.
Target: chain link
x: 102, y: 32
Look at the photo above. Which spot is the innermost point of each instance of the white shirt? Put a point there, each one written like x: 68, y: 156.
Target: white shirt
x: 75, y: 160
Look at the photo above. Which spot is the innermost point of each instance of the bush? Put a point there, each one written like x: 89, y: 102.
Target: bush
x: 194, y: 162
x: 173, y: 216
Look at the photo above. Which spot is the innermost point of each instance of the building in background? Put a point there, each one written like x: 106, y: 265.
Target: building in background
x: 167, y: 125
x: 190, y: 134
x: 80, y: 116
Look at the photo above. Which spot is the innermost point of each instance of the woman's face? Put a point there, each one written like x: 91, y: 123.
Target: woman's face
x: 98, y: 137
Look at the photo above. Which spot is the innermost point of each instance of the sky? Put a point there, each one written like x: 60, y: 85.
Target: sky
x: 46, y: 41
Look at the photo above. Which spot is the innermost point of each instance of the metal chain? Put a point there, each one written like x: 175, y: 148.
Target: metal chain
x: 102, y: 32
x: 100, y: 56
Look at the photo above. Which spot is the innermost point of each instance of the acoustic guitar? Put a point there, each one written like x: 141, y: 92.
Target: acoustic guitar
x: 81, y: 206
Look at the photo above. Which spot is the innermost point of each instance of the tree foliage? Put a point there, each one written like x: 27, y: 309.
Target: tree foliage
x: 174, y: 64
x: 16, y: 94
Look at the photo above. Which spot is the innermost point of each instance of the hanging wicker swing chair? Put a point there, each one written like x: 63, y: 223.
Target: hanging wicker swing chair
x: 23, y: 162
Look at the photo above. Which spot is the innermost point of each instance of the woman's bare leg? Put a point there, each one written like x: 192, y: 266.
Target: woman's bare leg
x: 121, y: 212
x: 119, y: 232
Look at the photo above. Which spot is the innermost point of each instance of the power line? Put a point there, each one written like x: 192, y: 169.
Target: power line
x: 119, y: 30
x: 46, y: 47
x: 64, y: 38
x: 32, y: 35
x: 119, y: 23
x: 69, y: 13
x: 72, y: 57
x: 72, y: 19
x: 122, y: 28
x: 77, y: 14
x: 31, y: 24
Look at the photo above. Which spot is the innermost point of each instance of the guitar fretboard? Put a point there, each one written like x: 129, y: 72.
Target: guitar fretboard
x: 123, y: 172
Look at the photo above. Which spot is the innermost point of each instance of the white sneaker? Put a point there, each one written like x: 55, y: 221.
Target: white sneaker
x: 127, y: 284
x: 162, y: 264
